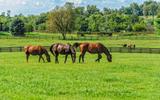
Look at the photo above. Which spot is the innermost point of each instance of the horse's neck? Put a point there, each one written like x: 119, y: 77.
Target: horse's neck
x: 46, y: 53
x: 106, y: 51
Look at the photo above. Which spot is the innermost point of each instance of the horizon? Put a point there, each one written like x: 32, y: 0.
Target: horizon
x: 29, y: 7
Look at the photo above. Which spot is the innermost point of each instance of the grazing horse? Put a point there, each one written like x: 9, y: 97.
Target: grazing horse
x: 36, y: 50
x: 93, y: 48
x: 131, y: 46
x: 64, y: 49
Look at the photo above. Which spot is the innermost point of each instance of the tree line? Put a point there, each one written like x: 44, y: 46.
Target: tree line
x: 68, y: 18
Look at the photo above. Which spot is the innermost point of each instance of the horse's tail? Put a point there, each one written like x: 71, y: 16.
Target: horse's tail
x: 76, y: 45
x: 51, y: 48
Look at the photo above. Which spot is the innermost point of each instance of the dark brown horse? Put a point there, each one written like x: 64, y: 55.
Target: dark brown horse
x: 36, y: 50
x: 93, y: 48
x: 64, y: 49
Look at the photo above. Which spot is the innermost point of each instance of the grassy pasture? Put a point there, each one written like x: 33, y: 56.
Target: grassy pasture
x: 108, y: 43
x: 128, y: 77
x: 48, y: 42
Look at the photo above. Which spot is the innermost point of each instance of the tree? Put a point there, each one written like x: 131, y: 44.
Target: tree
x: 17, y: 27
x: 135, y: 9
x: 62, y: 19
x: 8, y: 13
x: 94, y: 22
x: 92, y: 9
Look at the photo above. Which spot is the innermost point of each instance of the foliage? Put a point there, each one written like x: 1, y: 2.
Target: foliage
x: 29, y: 28
x: 17, y: 27
x: 61, y: 19
x: 139, y: 27
x: 88, y: 18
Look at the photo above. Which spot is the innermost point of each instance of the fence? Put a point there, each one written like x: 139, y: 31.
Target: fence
x: 111, y: 49
x: 84, y: 38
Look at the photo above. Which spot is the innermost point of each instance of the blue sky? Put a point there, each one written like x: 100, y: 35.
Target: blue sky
x: 28, y: 7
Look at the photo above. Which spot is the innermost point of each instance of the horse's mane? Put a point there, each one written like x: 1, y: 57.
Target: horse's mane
x: 76, y: 44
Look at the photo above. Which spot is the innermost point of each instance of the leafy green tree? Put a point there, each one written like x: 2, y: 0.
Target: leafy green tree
x: 17, y: 27
x: 29, y: 27
x: 62, y: 19
x: 94, y: 22
x: 135, y: 9
x: 92, y: 9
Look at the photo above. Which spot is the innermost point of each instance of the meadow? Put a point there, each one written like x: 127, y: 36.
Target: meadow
x: 47, y: 42
x: 129, y: 76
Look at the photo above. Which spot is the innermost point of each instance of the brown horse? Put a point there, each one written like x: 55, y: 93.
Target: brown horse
x: 64, y: 49
x: 36, y: 50
x: 93, y: 48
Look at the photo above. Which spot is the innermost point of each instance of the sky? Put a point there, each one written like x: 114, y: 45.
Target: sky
x: 29, y: 7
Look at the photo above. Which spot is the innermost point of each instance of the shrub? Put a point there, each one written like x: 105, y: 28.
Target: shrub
x: 139, y: 27
x: 17, y: 27
x: 29, y: 28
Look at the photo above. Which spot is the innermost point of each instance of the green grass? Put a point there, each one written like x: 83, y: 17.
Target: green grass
x: 128, y: 77
x: 110, y: 43
x: 48, y: 42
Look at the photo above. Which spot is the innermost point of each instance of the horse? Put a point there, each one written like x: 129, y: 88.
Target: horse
x: 93, y: 48
x: 131, y: 46
x: 63, y: 49
x: 36, y: 50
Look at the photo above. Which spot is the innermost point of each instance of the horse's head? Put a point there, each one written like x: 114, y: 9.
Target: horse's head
x: 109, y: 58
x: 73, y: 52
x: 107, y: 53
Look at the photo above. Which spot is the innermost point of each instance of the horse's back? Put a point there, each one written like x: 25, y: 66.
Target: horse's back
x: 34, y: 50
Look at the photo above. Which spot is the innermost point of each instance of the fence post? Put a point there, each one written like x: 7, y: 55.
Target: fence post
x: 140, y: 50
x: 20, y: 48
x: 10, y: 49
x: 110, y: 49
x: 120, y: 49
x: 150, y: 50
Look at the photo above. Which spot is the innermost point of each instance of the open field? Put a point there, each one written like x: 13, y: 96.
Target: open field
x: 129, y: 76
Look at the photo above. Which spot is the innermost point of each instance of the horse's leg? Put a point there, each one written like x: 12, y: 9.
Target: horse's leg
x: 42, y: 58
x: 80, y: 56
x: 83, y: 54
x: 27, y: 57
x: 65, y: 58
x: 99, y: 57
x: 39, y: 58
x: 73, y: 59
x: 56, y: 58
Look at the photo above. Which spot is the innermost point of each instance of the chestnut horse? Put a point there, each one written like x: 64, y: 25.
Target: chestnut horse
x: 36, y: 50
x: 93, y: 48
x: 64, y: 49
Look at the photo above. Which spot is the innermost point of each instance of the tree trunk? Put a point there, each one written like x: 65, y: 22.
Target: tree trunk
x: 64, y: 36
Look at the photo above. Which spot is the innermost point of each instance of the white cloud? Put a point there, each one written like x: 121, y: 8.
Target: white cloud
x: 24, y: 2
